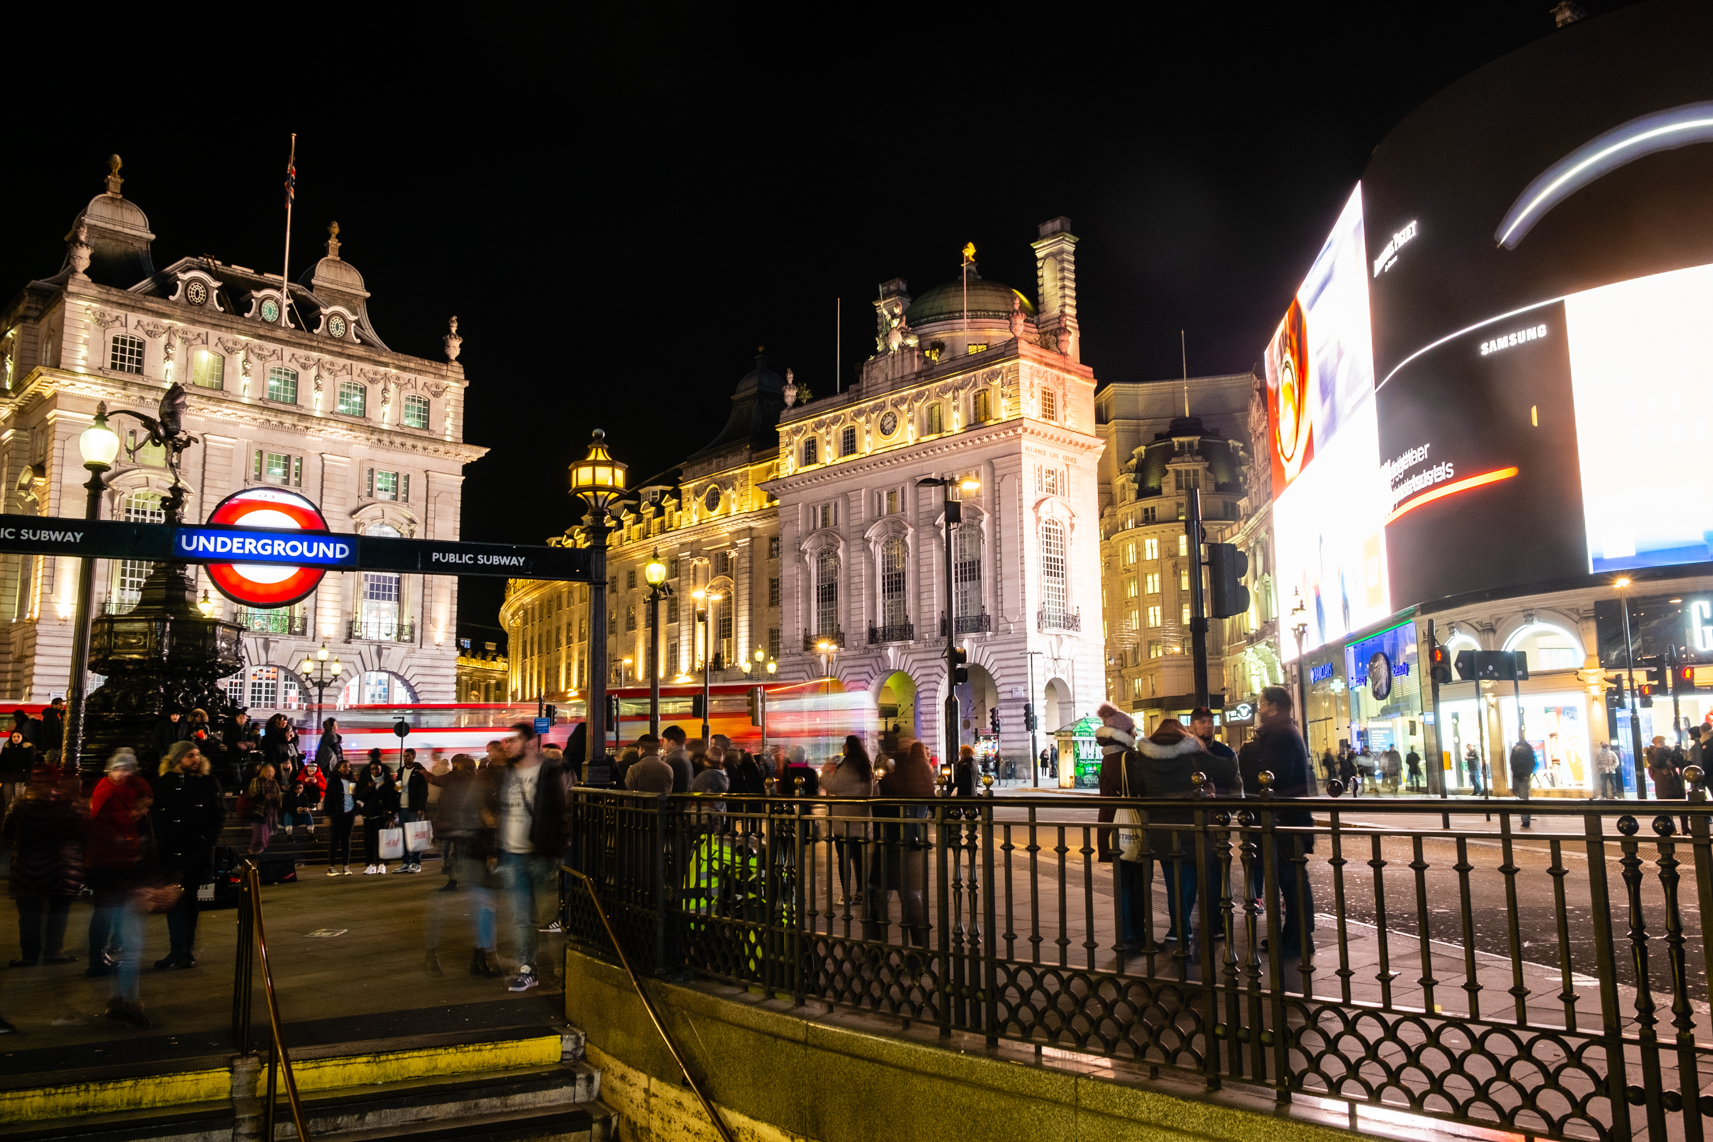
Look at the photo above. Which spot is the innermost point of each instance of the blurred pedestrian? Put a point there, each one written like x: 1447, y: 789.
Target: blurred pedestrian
x: 468, y: 840
x: 1283, y: 754
x: 649, y: 772
x: 340, y: 805
x: 378, y: 801
x: 1472, y: 765
x: 242, y: 741
x: 52, y: 737
x: 1413, y: 764
x: 329, y: 750
x: 1121, y: 777
x: 46, y: 838
x: 963, y: 773
x: 1523, y: 763
x: 676, y: 754
x: 413, y: 806
x: 852, y: 776
x: 261, y: 807
x: 530, y: 841
x: 113, y: 860
x: 17, y: 757
x: 188, y: 812
x: 1665, y: 770
x: 901, y: 858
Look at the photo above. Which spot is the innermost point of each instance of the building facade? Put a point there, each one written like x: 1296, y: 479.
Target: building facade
x: 970, y: 382
x: 716, y: 531
x: 293, y: 389
x: 483, y: 676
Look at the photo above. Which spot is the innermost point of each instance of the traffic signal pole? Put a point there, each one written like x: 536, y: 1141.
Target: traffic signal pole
x: 954, y: 515
x: 1198, y: 611
x: 1635, y: 707
x: 1436, y: 773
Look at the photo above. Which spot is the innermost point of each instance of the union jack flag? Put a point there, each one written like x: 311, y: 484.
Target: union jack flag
x: 291, y: 174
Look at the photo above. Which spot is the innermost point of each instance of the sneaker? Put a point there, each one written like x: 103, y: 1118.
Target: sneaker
x: 523, y: 980
x: 333, y: 872
x: 370, y: 871
x: 347, y: 871
x: 381, y: 869
x: 553, y: 929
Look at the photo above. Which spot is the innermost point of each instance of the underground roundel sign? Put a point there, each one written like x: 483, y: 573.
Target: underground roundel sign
x: 268, y: 584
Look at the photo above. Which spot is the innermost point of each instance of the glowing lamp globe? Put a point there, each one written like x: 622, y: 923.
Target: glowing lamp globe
x: 99, y: 444
x: 655, y: 571
x: 598, y: 478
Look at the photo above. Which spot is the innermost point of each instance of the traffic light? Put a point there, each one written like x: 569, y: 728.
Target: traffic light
x: 757, y: 700
x: 993, y: 718
x: 1645, y: 695
x: 1659, y: 674
x: 612, y: 710
x: 959, y: 657
x: 1682, y: 679
x: 1226, y: 567
x: 1615, y: 693
x: 1439, y: 660
x: 552, y: 711
x: 1029, y: 716
x: 698, y: 708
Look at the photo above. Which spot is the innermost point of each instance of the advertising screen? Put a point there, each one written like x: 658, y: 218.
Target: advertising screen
x: 1524, y: 278
x: 1321, y: 419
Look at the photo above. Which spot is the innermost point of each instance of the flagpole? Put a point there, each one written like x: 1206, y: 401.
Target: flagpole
x: 291, y: 197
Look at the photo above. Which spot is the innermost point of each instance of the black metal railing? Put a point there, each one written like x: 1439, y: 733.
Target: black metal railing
x: 1368, y: 953
x: 1058, y: 620
x: 253, y: 940
x: 970, y: 624
x: 383, y: 630
x: 892, y: 632
x: 811, y: 640
x: 277, y: 621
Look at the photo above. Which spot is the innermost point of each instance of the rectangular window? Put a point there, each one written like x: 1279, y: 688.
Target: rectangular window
x: 1183, y: 578
x: 773, y: 592
x: 975, y: 347
x: 826, y: 515
x: 672, y: 663
x: 847, y: 442
x: 1048, y: 481
x: 1153, y: 582
x: 672, y: 609
x: 1129, y: 553
x: 1154, y: 615
x: 1049, y: 404
x: 773, y: 547
x: 630, y: 579
x: 809, y: 452
x: 1186, y: 618
x: 979, y: 405
x: 722, y: 563
x: 773, y: 642
x: 630, y: 617
x: 379, y: 617
x: 282, y: 384
x: 126, y: 354
x: 1134, y: 622
x: 147, y: 454
x: 386, y: 485
x: 672, y: 567
x: 933, y: 420
x: 1183, y: 546
x: 1150, y: 515
x: 415, y: 411
x: 207, y: 370
x: 1150, y: 549
x: 276, y: 468
x: 892, y: 502
x: 264, y: 687
x: 353, y: 398
x: 1155, y: 648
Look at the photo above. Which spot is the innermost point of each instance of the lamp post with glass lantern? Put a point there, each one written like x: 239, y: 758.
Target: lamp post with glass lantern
x: 705, y: 616
x: 319, y: 671
x: 950, y: 487
x: 1299, y: 628
x: 654, y: 573
x: 599, y: 480
x: 1622, y: 584
x: 763, y: 665
x: 99, y: 446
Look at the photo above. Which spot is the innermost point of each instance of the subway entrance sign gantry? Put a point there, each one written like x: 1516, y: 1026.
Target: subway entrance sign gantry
x: 279, y: 554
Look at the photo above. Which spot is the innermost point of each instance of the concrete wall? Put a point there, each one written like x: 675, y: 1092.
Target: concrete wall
x: 789, y: 1073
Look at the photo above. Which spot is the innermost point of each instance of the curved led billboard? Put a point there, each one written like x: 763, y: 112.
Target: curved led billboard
x: 1537, y: 297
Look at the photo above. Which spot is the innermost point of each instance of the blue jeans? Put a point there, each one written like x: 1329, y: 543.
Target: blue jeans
x: 473, y: 894
x: 520, y: 874
x: 122, y: 922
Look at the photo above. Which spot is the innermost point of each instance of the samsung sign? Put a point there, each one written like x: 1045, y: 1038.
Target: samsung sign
x: 310, y: 551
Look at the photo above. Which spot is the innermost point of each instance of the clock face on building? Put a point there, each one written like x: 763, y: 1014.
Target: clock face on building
x: 196, y: 293
x: 336, y: 326
x: 889, y: 424
x: 270, y: 310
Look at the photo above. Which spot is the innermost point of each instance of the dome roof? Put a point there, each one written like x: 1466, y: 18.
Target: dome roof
x: 988, y: 301
x: 110, y: 212
x: 339, y: 274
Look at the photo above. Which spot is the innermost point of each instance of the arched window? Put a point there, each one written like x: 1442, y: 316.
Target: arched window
x: 894, y: 605
x: 126, y: 354
x: 966, y: 575
x: 136, y: 507
x: 379, y: 613
x: 809, y: 452
x: 827, y: 593
x: 1054, y: 595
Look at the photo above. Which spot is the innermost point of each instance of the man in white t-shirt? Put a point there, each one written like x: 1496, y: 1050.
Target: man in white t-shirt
x: 530, y: 839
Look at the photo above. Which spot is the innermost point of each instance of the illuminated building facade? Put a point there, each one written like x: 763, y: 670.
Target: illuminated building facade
x: 297, y: 391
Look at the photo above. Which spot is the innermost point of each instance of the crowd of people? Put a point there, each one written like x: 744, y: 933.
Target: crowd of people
x: 146, y: 839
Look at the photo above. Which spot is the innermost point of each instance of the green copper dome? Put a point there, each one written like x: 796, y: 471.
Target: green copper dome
x: 988, y: 301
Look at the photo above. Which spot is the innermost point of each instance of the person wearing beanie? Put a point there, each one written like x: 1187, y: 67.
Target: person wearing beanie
x: 1121, y: 776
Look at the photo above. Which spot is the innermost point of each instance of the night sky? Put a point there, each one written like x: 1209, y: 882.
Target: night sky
x: 621, y: 214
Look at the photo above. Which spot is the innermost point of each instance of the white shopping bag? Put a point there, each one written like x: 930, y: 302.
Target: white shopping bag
x: 392, y: 844
x: 419, y: 836
x: 1132, y: 841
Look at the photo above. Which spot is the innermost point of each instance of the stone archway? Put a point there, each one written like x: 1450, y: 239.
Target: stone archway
x: 976, y: 698
x: 896, y: 697
x: 1056, y: 707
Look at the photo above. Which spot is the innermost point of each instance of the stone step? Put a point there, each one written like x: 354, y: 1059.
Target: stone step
x: 493, y: 1096
x: 589, y: 1122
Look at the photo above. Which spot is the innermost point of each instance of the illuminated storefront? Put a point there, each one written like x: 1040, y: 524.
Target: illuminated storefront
x: 1384, y: 677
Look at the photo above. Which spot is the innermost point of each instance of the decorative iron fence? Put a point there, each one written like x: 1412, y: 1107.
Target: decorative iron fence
x: 812, y: 641
x: 383, y: 630
x: 970, y: 624
x: 893, y: 632
x: 1058, y: 620
x: 1505, y: 979
x: 273, y: 621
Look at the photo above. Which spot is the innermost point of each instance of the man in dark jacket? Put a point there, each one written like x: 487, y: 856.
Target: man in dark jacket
x: 529, y: 806
x: 413, y: 805
x: 1221, y: 763
x: 51, y: 740
x: 188, y: 813
x: 1281, y: 752
x: 17, y: 757
x: 171, y: 728
x: 1522, y: 772
x: 243, y: 742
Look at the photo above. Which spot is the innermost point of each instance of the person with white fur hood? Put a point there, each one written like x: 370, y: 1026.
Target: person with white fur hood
x: 1157, y: 767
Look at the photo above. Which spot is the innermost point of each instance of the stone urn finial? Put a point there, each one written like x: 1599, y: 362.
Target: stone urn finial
x: 78, y: 250
x: 790, y: 388
x: 454, y: 343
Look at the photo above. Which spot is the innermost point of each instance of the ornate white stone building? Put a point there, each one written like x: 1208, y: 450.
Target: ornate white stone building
x: 295, y: 391
x: 973, y: 383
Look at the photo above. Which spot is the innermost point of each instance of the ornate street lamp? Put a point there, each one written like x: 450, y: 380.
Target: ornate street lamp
x: 654, y: 574
x: 99, y: 445
x: 600, y: 481
x: 1299, y: 628
x: 705, y: 616
x: 319, y: 672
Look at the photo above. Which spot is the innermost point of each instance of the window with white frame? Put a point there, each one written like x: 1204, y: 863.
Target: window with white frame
x: 129, y: 574
x: 810, y: 452
x: 848, y: 441
x: 824, y: 515
x: 932, y: 422
x: 1152, y: 582
x: 1054, y: 589
x: 379, y: 485
x: 981, y: 406
x: 415, y: 411
x: 353, y: 398
x: 894, y: 606
x: 1154, y: 615
x: 1183, y: 546
x: 207, y: 370
x: 1186, y: 615
x: 827, y: 592
x: 125, y: 355
x: 1051, y: 481
x: 891, y: 501
x: 1049, y: 404
x: 1151, y: 549
x: 282, y: 384
x: 382, y: 596
x: 966, y: 569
